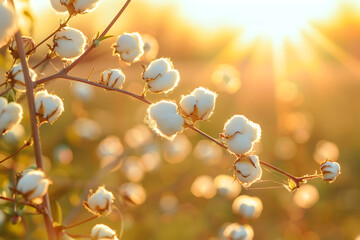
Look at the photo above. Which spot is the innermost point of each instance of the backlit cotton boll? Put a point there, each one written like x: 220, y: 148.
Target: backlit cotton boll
x: 28, y: 43
x: 69, y: 43
x: 247, y: 170
x: 164, y: 119
x: 32, y: 184
x: 161, y: 76
x: 84, y: 6
x: 129, y: 47
x: 248, y: 207
x: 16, y: 77
x: 8, y: 25
x: 56, y: 4
x: 330, y: 170
x: 198, y: 105
x: 101, y: 231
x: 240, y: 134
x: 100, y: 201
x: 235, y: 231
x: 112, y: 78
x: 48, y: 107
x: 10, y: 115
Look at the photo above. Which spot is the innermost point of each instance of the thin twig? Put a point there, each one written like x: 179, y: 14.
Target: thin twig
x: 77, y: 235
x: 21, y: 202
x: 26, y: 144
x: 5, y: 91
x: 80, y: 223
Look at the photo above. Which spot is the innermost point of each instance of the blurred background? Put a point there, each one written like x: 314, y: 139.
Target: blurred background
x: 291, y: 66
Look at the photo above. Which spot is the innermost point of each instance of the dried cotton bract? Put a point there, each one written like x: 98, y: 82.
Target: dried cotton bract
x: 164, y: 119
x: 69, y: 43
x: 330, y: 170
x: 161, y: 76
x: 247, y: 169
x: 101, y: 231
x: 10, y: 115
x: 100, y: 202
x: 16, y: 77
x: 248, y: 207
x: 198, y: 105
x: 235, y: 231
x: 48, y: 107
x: 8, y: 25
x: 112, y: 78
x: 33, y: 185
x: 240, y: 134
x: 129, y: 47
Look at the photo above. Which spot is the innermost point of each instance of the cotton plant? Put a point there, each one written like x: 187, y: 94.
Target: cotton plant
x: 164, y: 116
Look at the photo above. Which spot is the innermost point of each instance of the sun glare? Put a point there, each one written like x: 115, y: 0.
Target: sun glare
x: 274, y: 20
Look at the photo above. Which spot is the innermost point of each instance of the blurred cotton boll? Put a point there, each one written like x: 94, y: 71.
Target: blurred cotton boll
x: 177, y: 150
x: 69, y: 43
x: 226, y: 78
x: 306, y: 196
x: 164, y: 119
x: 248, y: 207
x: 87, y: 129
x: 207, y: 152
x: 129, y: 47
x: 235, y: 231
x: 151, y: 47
x: 150, y: 161
x: 161, y: 76
x: 16, y: 77
x: 132, y: 193
x: 326, y: 150
x: 14, y: 135
x: 28, y: 44
x: 101, y: 231
x: 203, y: 186
x: 226, y: 186
x: 58, y: 7
x: 133, y: 169
x: 8, y: 23
x: 138, y: 136
x: 110, y: 146
x: 11, y: 114
x: 83, y: 91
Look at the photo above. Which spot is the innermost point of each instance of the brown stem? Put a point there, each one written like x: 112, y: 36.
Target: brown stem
x: 21, y: 202
x: 5, y: 91
x: 93, y: 45
x: 26, y: 144
x: 80, y: 223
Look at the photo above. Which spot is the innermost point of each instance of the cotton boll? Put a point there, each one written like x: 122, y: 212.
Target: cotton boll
x: 235, y: 231
x: 83, y: 6
x: 56, y: 4
x: 330, y: 170
x: 151, y: 47
x: 187, y: 104
x: 48, y: 107
x: 112, y: 78
x: 101, y: 231
x: 235, y: 124
x: 156, y: 67
x: 247, y: 170
x: 239, y: 144
x: 33, y: 185
x: 252, y: 131
x: 248, y: 207
x: 28, y: 43
x: 129, y: 47
x: 100, y: 202
x: 164, y: 119
x: 69, y: 43
x: 10, y: 115
x: 16, y: 77
x: 8, y: 24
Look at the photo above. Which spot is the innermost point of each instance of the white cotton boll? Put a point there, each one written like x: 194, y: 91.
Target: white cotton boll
x: 101, y: 231
x: 28, y: 43
x: 8, y: 24
x: 239, y: 144
x: 330, y: 170
x: 235, y: 231
x: 235, y: 124
x: 187, y: 104
x: 100, y: 202
x: 48, y: 107
x: 166, y: 82
x: 16, y: 76
x: 10, y: 115
x: 129, y: 47
x: 113, y: 78
x: 84, y: 6
x: 165, y: 119
x: 69, y: 43
x: 156, y: 67
x: 248, y: 207
x: 33, y: 184
x: 252, y: 131
x: 247, y: 170
x: 56, y: 4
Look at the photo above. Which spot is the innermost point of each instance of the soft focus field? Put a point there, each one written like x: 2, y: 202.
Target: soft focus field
x: 304, y: 92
